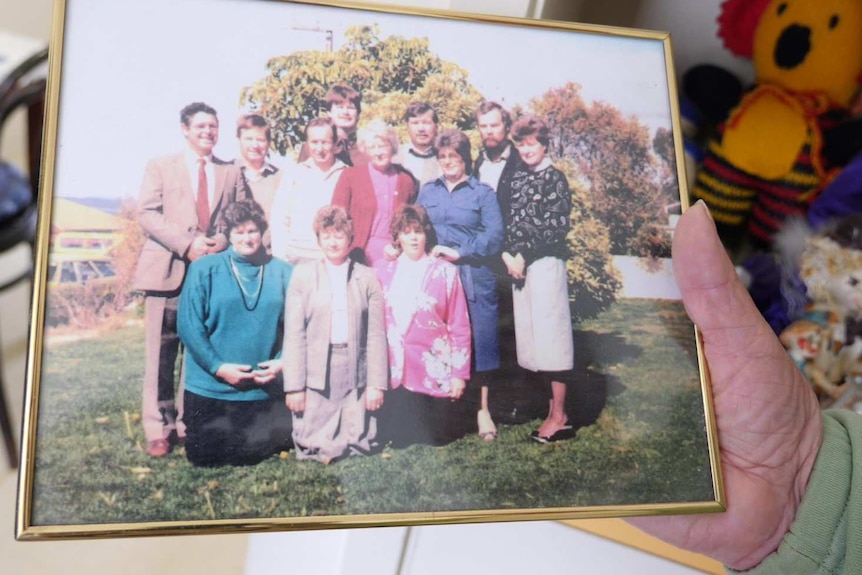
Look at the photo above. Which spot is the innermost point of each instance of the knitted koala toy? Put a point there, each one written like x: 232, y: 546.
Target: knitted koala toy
x: 768, y: 160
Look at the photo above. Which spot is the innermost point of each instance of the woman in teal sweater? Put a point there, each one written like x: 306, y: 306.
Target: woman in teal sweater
x: 231, y: 321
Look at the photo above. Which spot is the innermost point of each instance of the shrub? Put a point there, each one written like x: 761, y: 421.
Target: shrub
x: 593, y: 279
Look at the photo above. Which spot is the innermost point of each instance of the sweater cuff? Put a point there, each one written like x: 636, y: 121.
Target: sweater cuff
x: 213, y: 365
x: 818, y: 536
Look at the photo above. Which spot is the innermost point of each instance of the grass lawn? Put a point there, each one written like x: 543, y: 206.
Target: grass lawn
x: 637, y: 404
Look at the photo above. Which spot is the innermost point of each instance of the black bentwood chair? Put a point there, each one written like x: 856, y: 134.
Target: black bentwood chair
x: 22, y: 89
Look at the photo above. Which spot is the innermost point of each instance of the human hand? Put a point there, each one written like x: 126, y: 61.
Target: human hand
x: 373, y: 398
x: 520, y: 266
x: 234, y: 373
x: 200, y: 247
x: 267, y: 371
x: 514, y: 265
x: 769, y: 426
x: 445, y: 252
x: 457, y: 387
x: 295, y: 401
x: 213, y: 246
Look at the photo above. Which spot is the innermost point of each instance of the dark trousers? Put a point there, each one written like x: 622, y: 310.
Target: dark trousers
x: 409, y: 418
x: 222, y: 432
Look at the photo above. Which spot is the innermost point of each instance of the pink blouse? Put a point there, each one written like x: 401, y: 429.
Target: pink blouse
x: 428, y: 329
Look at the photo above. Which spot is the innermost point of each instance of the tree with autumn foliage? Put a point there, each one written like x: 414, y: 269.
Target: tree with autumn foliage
x: 593, y: 279
x: 614, y: 160
x: 389, y: 73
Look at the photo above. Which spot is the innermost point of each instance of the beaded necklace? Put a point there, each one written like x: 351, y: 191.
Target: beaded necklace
x: 245, y: 294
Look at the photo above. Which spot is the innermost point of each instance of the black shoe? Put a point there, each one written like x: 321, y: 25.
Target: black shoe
x: 566, y: 432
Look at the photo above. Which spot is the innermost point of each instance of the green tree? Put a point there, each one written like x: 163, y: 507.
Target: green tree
x: 614, y: 160
x: 593, y: 279
x: 390, y: 73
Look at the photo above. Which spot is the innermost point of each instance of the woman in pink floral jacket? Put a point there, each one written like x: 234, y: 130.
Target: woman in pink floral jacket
x: 428, y: 331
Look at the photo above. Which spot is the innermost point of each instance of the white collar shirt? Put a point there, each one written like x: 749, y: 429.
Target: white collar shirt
x: 491, y: 171
x: 338, y: 287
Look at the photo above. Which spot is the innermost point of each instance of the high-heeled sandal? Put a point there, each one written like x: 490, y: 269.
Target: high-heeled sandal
x: 562, y: 434
x: 487, y: 429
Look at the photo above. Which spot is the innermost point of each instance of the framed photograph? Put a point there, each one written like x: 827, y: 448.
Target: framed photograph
x: 310, y: 265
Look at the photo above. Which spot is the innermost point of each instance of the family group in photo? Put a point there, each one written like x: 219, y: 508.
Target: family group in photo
x: 345, y: 302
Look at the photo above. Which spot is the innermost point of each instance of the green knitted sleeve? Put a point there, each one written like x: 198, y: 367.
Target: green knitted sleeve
x: 830, y: 514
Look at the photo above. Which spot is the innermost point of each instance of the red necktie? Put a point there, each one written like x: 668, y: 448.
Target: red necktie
x: 203, y: 201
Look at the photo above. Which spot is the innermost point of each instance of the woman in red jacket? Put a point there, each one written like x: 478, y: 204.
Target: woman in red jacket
x: 371, y: 193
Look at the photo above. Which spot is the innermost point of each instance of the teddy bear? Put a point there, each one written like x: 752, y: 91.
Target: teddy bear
x: 826, y: 339
x: 776, y: 151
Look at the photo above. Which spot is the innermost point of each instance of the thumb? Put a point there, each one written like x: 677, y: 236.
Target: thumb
x: 713, y: 296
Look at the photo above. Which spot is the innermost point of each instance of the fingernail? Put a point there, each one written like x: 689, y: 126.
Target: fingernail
x: 705, y: 207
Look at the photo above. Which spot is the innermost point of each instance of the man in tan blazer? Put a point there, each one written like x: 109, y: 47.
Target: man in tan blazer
x: 180, y: 207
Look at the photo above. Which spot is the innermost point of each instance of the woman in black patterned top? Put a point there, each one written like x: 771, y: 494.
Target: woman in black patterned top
x: 535, y: 255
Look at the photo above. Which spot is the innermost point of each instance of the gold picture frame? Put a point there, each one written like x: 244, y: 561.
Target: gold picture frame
x: 646, y: 440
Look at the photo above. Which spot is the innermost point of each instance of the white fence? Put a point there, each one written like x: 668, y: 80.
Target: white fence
x: 644, y: 278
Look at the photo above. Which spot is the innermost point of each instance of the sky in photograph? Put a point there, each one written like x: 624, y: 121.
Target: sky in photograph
x: 129, y: 67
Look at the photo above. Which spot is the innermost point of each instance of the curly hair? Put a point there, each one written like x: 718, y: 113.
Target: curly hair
x: 375, y: 129
x: 243, y: 211
x: 413, y: 217
x: 527, y: 126
x: 333, y: 219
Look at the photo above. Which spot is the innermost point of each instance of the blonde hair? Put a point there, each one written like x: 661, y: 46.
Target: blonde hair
x: 377, y: 129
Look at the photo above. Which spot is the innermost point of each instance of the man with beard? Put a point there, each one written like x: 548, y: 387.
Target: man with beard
x: 497, y: 163
x: 180, y: 209
x: 419, y: 156
x: 498, y: 159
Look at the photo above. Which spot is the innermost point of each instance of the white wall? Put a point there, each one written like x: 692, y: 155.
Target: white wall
x: 519, y: 8
x: 642, y: 279
x: 693, y: 29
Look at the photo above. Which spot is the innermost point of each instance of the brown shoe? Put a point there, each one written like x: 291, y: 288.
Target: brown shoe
x: 158, y: 448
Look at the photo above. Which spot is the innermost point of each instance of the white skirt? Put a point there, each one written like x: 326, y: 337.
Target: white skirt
x: 543, y: 319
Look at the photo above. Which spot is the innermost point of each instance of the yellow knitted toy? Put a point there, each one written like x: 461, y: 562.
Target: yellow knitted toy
x: 766, y: 163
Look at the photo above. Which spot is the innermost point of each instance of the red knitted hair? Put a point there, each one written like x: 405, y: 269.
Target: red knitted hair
x: 737, y: 22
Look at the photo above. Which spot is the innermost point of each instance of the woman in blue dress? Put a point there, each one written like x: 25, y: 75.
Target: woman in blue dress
x: 469, y: 228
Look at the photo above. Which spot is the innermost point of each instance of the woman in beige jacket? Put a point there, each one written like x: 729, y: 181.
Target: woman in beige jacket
x: 335, y: 351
